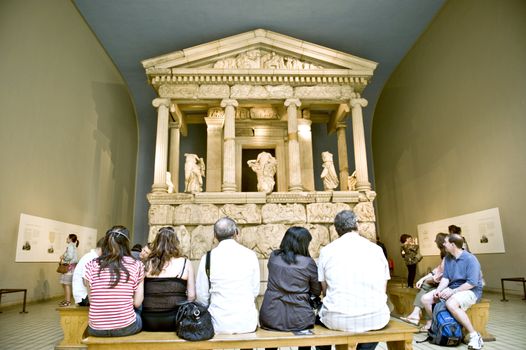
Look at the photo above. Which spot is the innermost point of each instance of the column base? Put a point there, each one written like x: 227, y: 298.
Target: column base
x: 363, y: 186
x: 296, y: 188
x: 228, y: 187
x: 159, y: 188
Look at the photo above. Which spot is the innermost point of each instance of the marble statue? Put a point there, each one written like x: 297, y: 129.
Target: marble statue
x: 329, y: 176
x: 352, y: 181
x: 169, y: 182
x: 194, y: 171
x: 265, y: 167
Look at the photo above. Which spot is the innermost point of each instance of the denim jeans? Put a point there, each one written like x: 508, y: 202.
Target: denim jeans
x: 134, y: 328
x: 361, y: 346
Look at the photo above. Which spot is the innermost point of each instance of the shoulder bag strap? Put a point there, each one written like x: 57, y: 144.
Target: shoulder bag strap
x: 207, y: 267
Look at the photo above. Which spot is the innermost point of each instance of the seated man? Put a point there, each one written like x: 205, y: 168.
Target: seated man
x: 80, y: 292
x: 234, y: 282
x: 354, y: 273
x: 461, y: 286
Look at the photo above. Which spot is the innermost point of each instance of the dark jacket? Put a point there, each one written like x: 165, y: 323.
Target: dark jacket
x: 286, y: 302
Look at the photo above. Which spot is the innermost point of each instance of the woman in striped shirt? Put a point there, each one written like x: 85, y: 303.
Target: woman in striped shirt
x: 115, y: 285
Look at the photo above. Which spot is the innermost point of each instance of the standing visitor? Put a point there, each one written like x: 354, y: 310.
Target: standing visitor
x: 409, y: 251
x: 69, y: 257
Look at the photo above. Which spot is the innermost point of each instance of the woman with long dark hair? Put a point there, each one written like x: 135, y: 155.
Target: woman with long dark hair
x: 169, y: 282
x: 69, y: 257
x: 292, y: 279
x: 115, y: 287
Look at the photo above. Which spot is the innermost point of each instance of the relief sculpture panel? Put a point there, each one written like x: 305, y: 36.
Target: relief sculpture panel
x: 283, y: 213
x: 242, y: 214
x: 202, y: 240
x: 324, y: 212
x: 263, y: 239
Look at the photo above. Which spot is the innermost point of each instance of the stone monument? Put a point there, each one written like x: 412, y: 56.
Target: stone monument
x: 259, y: 91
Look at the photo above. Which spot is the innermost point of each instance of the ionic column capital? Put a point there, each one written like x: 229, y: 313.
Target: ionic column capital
x: 291, y: 101
x: 229, y: 102
x: 362, y: 102
x: 161, y: 102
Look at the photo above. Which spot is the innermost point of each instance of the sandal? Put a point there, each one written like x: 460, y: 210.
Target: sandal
x: 423, y: 329
x: 410, y: 320
x: 64, y: 303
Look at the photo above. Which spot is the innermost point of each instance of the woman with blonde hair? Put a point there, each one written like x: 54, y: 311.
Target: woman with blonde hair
x: 169, y: 282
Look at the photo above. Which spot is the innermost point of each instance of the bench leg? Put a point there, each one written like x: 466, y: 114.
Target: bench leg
x: 503, y: 292
x: 350, y: 346
x: 400, y: 345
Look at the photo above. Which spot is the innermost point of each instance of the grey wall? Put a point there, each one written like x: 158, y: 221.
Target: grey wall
x: 68, y: 134
x: 449, y: 130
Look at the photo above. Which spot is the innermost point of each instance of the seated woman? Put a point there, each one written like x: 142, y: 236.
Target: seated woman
x: 115, y: 286
x: 169, y: 282
x: 292, y: 279
x: 427, y: 283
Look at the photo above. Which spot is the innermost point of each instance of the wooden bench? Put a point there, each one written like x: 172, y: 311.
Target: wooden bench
x: 403, y: 298
x: 396, y: 334
x: 74, y: 321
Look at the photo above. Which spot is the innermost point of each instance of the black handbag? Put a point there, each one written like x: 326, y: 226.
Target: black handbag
x: 193, y: 322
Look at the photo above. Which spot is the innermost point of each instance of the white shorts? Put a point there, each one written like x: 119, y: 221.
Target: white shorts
x: 465, y: 299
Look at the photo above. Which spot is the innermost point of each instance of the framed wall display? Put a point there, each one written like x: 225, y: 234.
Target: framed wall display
x: 44, y: 240
x: 482, y: 231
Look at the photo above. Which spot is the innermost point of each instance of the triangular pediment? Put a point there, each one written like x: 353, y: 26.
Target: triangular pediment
x: 259, y: 49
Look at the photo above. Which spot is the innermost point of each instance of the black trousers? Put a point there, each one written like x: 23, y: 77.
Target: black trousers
x: 411, y: 273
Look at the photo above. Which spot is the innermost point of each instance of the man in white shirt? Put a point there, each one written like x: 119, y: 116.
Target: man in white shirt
x: 80, y: 292
x: 234, y: 282
x: 354, y: 273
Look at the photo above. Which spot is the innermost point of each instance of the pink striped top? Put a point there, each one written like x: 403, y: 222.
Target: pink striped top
x: 112, y: 308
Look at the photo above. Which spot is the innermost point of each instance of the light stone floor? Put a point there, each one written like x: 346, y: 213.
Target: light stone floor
x: 40, y: 329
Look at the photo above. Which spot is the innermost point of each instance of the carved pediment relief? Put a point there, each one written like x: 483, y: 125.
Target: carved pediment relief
x: 262, y: 59
x: 259, y: 49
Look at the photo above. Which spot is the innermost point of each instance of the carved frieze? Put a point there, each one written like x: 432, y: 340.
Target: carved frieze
x: 242, y: 113
x: 213, y: 91
x: 263, y: 113
x: 283, y: 213
x: 242, y: 214
x: 364, y: 211
x: 280, y: 91
x: 367, y: 230
x: 160, y: 214
x: 261, y: 59
x: 320, y: 238
x: 195, y: 214
x: 263, y: 239
x: 179, y: 91
x: 249, y: 91
x: 216, y: 113
x: 322, y: 92
x: 324, y: 212
x: 201, y: 241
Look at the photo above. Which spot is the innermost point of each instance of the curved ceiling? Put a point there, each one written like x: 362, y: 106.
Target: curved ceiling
x: 133, y: 30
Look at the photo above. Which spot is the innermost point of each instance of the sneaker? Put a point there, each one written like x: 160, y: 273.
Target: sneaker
x: 475, y: 342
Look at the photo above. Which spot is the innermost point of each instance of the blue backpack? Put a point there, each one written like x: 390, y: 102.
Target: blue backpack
x: 445, y: 329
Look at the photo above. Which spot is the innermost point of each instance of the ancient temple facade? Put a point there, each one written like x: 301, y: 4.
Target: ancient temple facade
x: 258, y: 92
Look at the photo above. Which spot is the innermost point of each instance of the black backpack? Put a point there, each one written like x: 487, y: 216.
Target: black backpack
x: 445, y: 329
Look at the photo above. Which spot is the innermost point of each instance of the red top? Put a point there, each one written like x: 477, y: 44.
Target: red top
x: 112, y: 308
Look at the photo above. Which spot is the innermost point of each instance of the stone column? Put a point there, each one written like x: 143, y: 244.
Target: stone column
x: 360, y: 157
x: 173, y: 155
x: 292, y: 105
x: 161, y: 145
x: 342, y: 156
x: 229, y: 148
x: 307, y: 164
x: 214, y: 147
